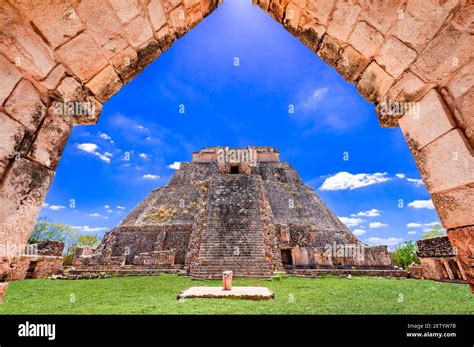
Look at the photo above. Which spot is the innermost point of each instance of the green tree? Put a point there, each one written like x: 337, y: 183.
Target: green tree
x: 88, y: 240
x: 44, y: 229
x: 437, y: 230
x: 405, y: 255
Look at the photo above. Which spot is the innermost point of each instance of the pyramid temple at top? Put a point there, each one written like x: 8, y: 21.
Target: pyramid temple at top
x: 233, y: 209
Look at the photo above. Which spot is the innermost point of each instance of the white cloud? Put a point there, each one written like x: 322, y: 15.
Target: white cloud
x: 143, y: 156
x: 346, y: 180
x: 370, y: 213
x: 428, y: 204
x: 358, y: 232
x: 110, y: 211
x: 88, y: 229
x: 106, y: 206
x: 151, y: 177
x: 411, y: 232
x: 315, y: 97
x: 174, y: 166
x: 95, y: 214
x: 92, y: 149
x: 375, y: 225
x: 105, y: 136
x: 53, y: 207
x: 351, y: 222
x: 390, y: 241
x: 420, y: 225
x: 400, y: 175
x: 416, y: 181
x: 121, y: 207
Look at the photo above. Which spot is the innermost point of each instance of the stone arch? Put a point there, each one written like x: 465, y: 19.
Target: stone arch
x: 60, y: 61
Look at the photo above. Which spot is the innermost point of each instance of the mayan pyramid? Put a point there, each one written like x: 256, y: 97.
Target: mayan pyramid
x: 232, y: 209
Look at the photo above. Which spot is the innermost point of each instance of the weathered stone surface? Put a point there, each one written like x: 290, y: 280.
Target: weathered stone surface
x: 414, y: 28
x: 103, y: 25
x: 455, y: 207
x: 395, y: 57
x: 462, y: 80
x: 320, y: 10
x: 125, y: 64
x: 178, y: 20
x: 432, y: 120
x: 435, y: 247
x: 351, y: 64
x: 366, y: 39
x: 51, y: 140
x: 20, y: 43
x: 157, y: 14
x: 82, y: 56
x: 374, y: 83
x: 343, y: 19
x: 462, y: 240
x: 448, y: 51
x: 24, y: 188
x: 3, y: 290
x: 139, y: 31
x: 105, y: 84
x: 57, y: 21
x: 408, y: 88
x: 382, y: 15
x: 25, y: 105
x: 9, y: 76
x: 464, y: 114
x: 54, y: 77
x: 70, y: 89
x: 310, y: 32
x: 11, y: 135
x: 292, y: 16
x: 126, y: 10
x: 329, y: 50
x: 446, y: 163
x: 250, y: 293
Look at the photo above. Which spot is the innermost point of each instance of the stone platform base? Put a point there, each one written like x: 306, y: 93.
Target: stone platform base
x: 345, y: 272
x: 250, y: 293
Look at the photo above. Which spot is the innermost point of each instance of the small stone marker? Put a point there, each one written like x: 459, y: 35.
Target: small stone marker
x: 227, y: 280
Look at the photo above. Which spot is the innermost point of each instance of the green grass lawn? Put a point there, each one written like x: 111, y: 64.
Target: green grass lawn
x: 157, y: 295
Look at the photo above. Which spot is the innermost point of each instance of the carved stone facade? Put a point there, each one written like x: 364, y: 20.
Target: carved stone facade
x: 253, y: 222
x: 59, y: 61
x: 437, y: 261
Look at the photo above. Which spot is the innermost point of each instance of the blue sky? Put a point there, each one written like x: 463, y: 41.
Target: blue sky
x: 237, y: 76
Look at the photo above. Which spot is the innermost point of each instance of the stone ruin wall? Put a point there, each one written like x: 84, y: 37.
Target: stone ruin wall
x: 399, y: 51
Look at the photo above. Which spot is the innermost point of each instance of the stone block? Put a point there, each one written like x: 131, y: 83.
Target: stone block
x: 194, y: 16
x: 366, y: 39
x: 292, y: 16
x: 168, y: 5
x: 54, y: 77
x: 381, y: 14
x: 178, y: 19
x: 351, y: 64
x: 125, y: 64
x: 12, y: 133
x: 57, y: 21
x: 25, y: 105
x: 320, y: 10
x: 9, y: 76
x: 20, y: 43
x: 464, y: 114
x: 413, y: 27
x: 105, y: 84
x: 329, y: 50
x: 374, y: 83
x: 455, y: 206
x: 343, y: 18
x: 310, y: 32
x: 82, y: 56
x: 51, y: 140
x: 395, y: 57
x: 432, y: 120
x: 445, y: 54
x: 3, y: 290
x: 462, y: 81
x: 138, y: 31
x: 446, y: 163
x: 126, y: 10
x: 462, y: 240
x: 157, y: 14
x: 103, y: 25
x: 24, y: 187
